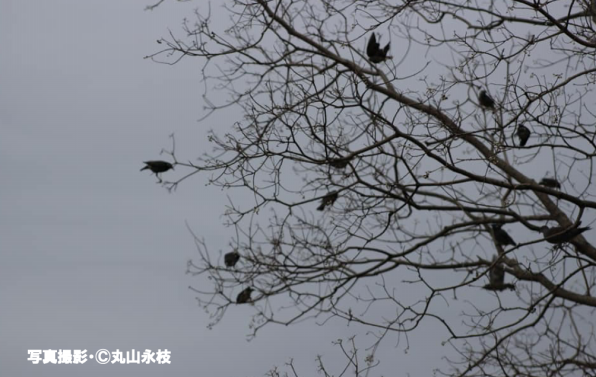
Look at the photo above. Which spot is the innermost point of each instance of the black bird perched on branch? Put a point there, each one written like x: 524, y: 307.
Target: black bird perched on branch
x: 230, y: 259
x: 559, y: 234
x: 486, y: 100
x: 340, y: 163
x: 550, y: 182
x: 244, y: 296
x: 158, y: 167
x: 502, y: 237
x: 523, y: 133
x: 496, y: 278
x: 374, y: 51
x: 328, y: 200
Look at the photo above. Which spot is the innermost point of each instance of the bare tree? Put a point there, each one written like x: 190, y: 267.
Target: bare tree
x: 428, y: 155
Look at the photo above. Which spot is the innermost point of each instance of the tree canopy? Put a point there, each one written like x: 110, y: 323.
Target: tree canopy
x: 434, y: 169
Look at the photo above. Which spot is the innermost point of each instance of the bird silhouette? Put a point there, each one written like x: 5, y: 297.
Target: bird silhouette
x: 502, y: 237
x: 550, y: 182
x: 328, y: 200
x: 340, y: 163
x: 374, y: 51
x: 559, y: 234
x: 485, y: 100
x: 230, y: 259
x: 158, y: 167
x: 496, y: 278
x: 523, y: 133
x: 244, y: 296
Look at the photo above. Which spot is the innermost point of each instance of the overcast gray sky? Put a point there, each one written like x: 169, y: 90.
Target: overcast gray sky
x: 92, y: 251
